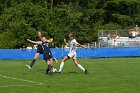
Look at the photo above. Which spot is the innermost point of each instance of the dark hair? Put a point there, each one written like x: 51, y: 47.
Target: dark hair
x: 41, y: 33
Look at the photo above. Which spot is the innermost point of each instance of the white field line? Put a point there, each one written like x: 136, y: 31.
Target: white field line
x: 4, y: 86
x: 29, y: 81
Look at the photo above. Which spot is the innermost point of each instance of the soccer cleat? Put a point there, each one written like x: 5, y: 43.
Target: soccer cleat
x: 48, y: 72
x: 86, y: 72
x: 28, y: 67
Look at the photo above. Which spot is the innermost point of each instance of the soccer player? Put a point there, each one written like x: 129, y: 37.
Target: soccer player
x: 72, y: 53
x: 39, y: 51
x: 47, y: 55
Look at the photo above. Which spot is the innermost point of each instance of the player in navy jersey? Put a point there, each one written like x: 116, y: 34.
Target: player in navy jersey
x: 47, y: 55
x: 39, y: 51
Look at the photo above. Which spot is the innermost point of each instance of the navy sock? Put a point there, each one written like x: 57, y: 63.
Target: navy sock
x: 32, y: 63
x: 49, y: 66
x: 48, y: 69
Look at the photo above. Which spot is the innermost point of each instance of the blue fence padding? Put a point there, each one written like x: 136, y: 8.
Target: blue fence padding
x: 17, y: 54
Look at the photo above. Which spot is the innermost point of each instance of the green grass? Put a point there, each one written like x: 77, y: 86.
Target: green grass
x: 111, y: 75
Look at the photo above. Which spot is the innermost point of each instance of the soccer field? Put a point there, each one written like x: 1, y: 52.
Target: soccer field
x: 106, y: 75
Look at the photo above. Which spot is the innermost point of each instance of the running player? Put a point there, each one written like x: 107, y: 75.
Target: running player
x: 72, y: 53
x: 39, y: 51
x: 47, y: 55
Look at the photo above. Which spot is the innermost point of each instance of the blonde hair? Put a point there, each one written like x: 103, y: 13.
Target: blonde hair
x: 72, y: 34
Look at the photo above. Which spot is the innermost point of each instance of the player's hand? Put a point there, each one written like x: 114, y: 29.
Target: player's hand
x: 51, y: 39
x: 65, y: 40
x: 28, y: 39
x: 84, y: 46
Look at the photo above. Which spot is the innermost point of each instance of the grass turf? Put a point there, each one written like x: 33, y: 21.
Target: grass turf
x: 108, y: 75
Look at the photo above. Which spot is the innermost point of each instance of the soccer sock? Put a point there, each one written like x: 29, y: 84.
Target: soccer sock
x: 48, y: 69
x: 80, y: 67
x: 32, y: 63
x: 61, y: 66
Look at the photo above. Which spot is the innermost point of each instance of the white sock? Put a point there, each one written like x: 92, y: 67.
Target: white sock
x: 61, y: 66
x: 80, y: 67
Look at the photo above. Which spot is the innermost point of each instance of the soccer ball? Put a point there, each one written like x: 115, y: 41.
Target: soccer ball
x: 54, y: 70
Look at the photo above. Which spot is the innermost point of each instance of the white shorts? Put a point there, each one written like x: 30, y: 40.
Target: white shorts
x: 72, y: 55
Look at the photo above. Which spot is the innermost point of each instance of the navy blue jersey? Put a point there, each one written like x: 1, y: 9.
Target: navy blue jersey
x: 46, y: 47
x: 46, y: 51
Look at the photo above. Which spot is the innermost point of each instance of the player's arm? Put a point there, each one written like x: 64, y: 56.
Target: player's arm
x: 34, y: 42
x: 47, y: 40
x: 79, y: 45
x: 67, y: 44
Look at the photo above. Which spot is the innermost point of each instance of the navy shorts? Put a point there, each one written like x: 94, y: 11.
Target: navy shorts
x: 39, y: 51
x: 47, y: 55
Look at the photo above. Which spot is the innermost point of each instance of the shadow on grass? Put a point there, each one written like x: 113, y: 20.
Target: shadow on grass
x: 72, y: 72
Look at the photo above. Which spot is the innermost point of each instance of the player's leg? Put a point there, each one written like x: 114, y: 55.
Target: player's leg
x: 33, y: 61
x: 49, y: 59
x: 35, y: 58
x: 78, y: 65
x: 62, y: 63
x: 49, y: 65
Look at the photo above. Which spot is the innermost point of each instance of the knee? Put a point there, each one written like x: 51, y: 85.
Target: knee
x: 63, y: 60
x: 76, y: 64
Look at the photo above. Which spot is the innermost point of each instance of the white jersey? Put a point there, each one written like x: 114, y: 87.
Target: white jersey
x: 73, y: 44
x: 72, y: 53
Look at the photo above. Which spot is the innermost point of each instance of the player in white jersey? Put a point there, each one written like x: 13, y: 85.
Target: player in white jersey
x: 72, y: 53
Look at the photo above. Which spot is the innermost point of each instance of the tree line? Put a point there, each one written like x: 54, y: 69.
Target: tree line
x: 22, y: 19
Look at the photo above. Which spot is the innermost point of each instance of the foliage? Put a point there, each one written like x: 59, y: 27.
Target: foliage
x: 57, y: 18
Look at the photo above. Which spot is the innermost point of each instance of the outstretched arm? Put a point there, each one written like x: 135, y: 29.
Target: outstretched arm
x: 79, y: 45
x: 34, y: 42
